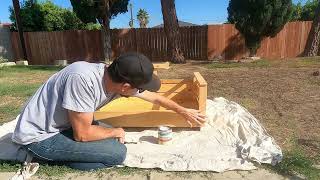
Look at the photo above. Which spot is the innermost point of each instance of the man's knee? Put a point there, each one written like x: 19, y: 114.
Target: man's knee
x: 116, y: 153
x: 121, y: 152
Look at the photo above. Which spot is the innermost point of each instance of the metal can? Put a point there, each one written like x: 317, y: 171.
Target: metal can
x: 164, y: 135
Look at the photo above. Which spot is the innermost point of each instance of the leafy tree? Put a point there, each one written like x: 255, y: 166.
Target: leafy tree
x: 312, y: 46
x: 257, y: 19
x: 143, y: 18
x: 45, y: 16
x: 32, y: 17
x: 91, y: 11
x: 304, y: 12
x: 308, y: 10
x: 53, y: 19
x: 296, y: 12
x: 171, y: 28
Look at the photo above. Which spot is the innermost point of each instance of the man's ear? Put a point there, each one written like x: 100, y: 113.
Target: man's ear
x: 126, y: 87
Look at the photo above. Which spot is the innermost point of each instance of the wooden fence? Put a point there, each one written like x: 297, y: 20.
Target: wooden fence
x: 46, y: 47
x: 226, y: 41
x: 153, y: 42
x: 197, y: 42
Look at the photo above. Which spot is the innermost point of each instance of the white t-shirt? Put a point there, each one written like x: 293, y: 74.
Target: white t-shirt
x: 78, y: 87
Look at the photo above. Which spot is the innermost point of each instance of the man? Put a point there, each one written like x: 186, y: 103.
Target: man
x: 57, y: 122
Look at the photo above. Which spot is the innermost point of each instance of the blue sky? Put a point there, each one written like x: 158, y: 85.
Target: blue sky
x: 206, y: 12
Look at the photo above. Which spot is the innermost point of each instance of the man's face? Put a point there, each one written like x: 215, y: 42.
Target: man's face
x: 124, y: 89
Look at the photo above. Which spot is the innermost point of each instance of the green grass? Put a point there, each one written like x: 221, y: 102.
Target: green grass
x: 28, y: 69
x: 17, y: 84
x: 259, y: 63
x: 45, y: 170
x: 55, y: 170
x: 21, y: 90
x: 296, y: 162
x: 8, y: 166
x: 304, y: 62
x: 49, y: 170
x: 10, y: 110
x: 264, y: 63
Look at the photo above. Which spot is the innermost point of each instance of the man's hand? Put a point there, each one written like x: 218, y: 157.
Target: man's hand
x: 193, y: 116
x: 120, y: 134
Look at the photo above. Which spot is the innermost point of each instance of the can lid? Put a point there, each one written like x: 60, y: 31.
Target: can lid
x: 164, y: 128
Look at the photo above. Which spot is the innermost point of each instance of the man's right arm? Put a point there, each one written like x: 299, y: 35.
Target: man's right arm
x: 84, y: 131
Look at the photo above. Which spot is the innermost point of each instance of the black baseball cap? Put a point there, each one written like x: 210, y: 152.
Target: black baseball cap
x: 135, y: 69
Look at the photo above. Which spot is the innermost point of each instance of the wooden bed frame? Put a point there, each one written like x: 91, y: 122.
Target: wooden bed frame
x: 134, y: 112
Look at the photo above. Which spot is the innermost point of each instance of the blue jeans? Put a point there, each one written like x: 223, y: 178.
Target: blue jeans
x: 62, y: 148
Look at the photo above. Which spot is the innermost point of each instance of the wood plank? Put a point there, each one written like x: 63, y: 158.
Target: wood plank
x: 175, y: 81
x: 165, y: 65
x: 202, y: 98
x: 201, y: 91
x: 143, y: 119
x: 170, y: 88
x: 198, y: 78
x: 133, y: 104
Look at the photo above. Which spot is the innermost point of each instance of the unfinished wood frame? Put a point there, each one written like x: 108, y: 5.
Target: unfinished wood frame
x: 134, y: 112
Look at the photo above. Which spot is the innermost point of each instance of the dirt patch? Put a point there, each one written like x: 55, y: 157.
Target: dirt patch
x: 286, y: 100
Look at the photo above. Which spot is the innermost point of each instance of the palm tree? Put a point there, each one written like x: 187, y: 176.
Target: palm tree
x: 143, y: 18
x: 171, y: 28
x: 312, y: 46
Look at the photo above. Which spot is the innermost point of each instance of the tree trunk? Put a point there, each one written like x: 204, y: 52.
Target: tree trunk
x: 16, y: 7
x: 171, y: 28
x: 107, y: 40
x: 106, y: 31
x: 252, y: 52
x: 312, y: 46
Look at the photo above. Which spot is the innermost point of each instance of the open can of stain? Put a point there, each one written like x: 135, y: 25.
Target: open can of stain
x: 164, y: 135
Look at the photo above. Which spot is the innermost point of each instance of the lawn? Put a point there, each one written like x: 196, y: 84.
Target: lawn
x: 283, y: 94
x: 17, y: 84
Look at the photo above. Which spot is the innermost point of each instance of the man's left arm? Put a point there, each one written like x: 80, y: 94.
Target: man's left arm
x: 191, y: 115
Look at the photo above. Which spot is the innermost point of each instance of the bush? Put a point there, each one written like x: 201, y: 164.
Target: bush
x: 91, y: 26
x: 45, y: 16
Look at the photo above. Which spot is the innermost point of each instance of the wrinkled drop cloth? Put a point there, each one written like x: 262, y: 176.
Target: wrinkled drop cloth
x: 232, y: 139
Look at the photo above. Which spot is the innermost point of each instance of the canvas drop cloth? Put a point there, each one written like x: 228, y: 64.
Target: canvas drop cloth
x: 232, y: 139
